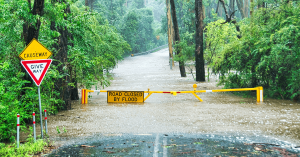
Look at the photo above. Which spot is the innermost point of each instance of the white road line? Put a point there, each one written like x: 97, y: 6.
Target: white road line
x: 165, y: 151
x: 156, y: 149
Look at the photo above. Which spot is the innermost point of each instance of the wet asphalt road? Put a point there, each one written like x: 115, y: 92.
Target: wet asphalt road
x: 220, y: 114
x: 165, y: 145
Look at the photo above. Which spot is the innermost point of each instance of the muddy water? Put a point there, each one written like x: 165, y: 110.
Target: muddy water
x: 219, y: 113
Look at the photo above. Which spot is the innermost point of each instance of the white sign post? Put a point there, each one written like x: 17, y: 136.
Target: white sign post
x: 37, y: 70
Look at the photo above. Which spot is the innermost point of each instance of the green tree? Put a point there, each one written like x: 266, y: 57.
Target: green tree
x: 83, y: 44
x: 130, y: 28
x: 267, y: 53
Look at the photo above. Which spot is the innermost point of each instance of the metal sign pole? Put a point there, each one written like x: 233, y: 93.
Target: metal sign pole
x: 40, y: 111
x: 38, y: 63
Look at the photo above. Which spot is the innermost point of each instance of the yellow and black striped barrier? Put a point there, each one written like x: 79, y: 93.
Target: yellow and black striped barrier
x: 138, y: 96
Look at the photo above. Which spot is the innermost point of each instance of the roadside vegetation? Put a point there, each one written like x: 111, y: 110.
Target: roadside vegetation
x: 87, y: 39
x: 27, y: 148
x: 247, y: 44
x: 254, y: 44
x: 267, y: 54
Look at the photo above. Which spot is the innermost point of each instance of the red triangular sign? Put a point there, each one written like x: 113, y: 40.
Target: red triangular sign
x: 37, y: 69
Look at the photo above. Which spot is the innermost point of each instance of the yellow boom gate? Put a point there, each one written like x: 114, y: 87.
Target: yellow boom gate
x: 138, y: 96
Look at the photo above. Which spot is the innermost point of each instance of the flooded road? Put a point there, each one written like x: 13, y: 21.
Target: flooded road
x: 220, y: 114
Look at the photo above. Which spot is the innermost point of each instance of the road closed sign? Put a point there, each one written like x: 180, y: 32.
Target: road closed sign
x: 125, y: 96
x: 37, y: 69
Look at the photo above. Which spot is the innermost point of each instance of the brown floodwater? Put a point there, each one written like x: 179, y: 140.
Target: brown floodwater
x: 219, y: 113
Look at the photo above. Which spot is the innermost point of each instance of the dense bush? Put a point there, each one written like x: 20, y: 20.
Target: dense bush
x: 267, y: 54
x: 94, y: 45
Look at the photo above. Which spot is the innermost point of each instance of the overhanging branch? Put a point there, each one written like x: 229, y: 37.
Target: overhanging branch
x: 229, y: 18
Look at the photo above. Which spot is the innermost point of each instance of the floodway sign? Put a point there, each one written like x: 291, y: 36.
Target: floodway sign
x: 35, y: 51
x: 37, y: 69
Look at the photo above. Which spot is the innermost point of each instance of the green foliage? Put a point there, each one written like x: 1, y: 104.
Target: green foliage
x: 218, y: 36
x: 186, y: 23
x: 138, y: 4
x: 137, y: 30
x: 135, y: 22
x: 11, y: 99
x: 187, y: 47
x: 95, y: 45
x: 130, y: 26
x: 185, y: 12
x: 267, y: 54
x: 57, y: 129
x: 27, y: 149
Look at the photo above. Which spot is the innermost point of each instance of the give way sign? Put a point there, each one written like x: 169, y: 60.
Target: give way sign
x: 36, y: 69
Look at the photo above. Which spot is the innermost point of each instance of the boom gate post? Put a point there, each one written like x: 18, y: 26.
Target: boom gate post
x: 84, y: 95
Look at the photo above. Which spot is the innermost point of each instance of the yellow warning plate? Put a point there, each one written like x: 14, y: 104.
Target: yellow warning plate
x: 125, y: 96
x: 35, y: 51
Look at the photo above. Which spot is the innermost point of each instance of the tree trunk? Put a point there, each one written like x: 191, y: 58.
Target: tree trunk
x: 219, y: 10
x: 86, y: 4
x: 170, y: 32
x: 246, y: 8
x: 230, y: 19
x: 61, y: 61
x: 203, y: 8
x: 241, y: 7
x: 31, y: 31
x: 231, y: 6
x: 74, y: 90
x: 200, y: 71
x: 92, y: 4
x: 253, y: 77
x: 251, y: 8
x: 177, y: 37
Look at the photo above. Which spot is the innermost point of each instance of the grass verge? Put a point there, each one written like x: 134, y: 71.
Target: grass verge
x: 29, y: 148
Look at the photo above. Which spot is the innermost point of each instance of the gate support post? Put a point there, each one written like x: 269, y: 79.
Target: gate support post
x: 260, y: 94
x: 84, y: 95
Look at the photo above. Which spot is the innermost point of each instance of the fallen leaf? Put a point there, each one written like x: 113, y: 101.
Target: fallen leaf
x: 259, y: 147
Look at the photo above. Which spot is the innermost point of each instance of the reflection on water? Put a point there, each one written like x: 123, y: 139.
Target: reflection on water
x: 83, y: 107
x: 124, y: 104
